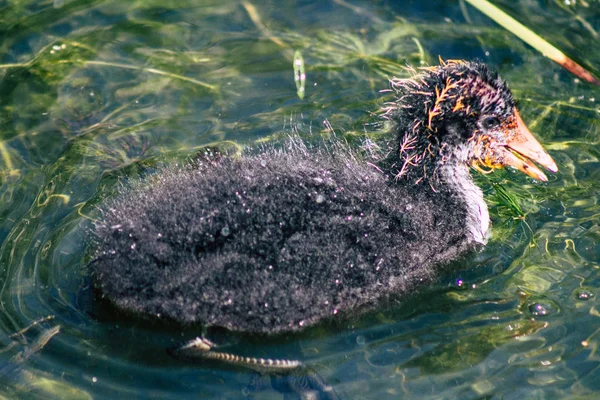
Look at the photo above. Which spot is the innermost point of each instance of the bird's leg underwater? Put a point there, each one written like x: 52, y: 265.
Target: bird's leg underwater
x: 290, y: 377
x: 201, y: 347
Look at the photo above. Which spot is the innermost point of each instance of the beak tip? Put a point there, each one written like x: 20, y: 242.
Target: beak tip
x: 535, y: 173
x: 528, y: 146
x: 543, y: 178
x: 545, y: 160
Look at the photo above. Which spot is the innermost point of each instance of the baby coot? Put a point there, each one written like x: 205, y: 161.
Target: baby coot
x: 276, y: 241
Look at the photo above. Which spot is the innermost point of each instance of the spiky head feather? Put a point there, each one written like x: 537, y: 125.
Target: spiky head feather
x: 440, y: 110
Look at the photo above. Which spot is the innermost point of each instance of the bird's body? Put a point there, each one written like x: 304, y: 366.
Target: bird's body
x: 276, y: 241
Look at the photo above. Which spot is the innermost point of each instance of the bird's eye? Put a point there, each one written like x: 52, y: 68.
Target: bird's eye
x: 490, y: 123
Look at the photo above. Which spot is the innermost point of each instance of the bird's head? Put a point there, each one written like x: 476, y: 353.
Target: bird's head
x: 461, y: 113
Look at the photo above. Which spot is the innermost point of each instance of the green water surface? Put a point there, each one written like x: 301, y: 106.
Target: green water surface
x: 96, y: 93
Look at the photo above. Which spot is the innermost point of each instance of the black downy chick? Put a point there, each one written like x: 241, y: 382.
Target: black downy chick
x: 278, y: 241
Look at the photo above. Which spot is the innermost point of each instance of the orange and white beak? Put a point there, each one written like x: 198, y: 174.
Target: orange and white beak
x: 520, y: 151
x: 525, y: 149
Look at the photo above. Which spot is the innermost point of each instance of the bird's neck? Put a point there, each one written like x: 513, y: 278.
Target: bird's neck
x: 449, y: 176
x: 456, y: 179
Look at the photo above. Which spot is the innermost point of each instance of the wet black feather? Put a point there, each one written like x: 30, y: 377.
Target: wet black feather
x: 271, y: 242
